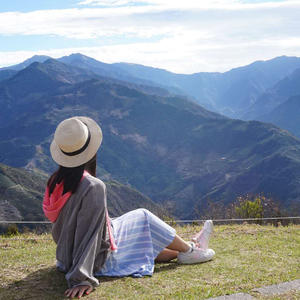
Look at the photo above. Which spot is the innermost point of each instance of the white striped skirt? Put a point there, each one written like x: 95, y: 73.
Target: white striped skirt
x: 140, y: 236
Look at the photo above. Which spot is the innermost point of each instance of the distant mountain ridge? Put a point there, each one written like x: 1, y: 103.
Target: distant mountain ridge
x: 171, y: 149
x: 112, y: 71
x: 27, y: 62
x: 286, y: 115
x: 280, y: 104
x: 231, y: 93
x: 278, y: 94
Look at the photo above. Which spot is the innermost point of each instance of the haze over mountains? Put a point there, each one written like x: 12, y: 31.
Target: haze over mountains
x: 248, y: 93
x: 162, y: 144
x: 286, y: 115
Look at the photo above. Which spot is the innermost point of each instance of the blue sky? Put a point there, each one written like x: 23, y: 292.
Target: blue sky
x: 30, y: 5
x: 181, y: 36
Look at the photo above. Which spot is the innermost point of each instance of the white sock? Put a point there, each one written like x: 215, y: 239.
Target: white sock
x: 190, y: 250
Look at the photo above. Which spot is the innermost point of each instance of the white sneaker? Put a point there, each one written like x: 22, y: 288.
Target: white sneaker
x: 202, y: 238
x: 195, y: 255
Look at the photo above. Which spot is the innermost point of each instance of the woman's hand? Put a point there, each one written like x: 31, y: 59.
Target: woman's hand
x: 78, y: 290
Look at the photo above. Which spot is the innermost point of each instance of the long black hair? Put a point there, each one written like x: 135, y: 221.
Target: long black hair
x: 71, y: 176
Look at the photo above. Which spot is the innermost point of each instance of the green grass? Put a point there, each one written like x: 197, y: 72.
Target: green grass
x: 247, y: 256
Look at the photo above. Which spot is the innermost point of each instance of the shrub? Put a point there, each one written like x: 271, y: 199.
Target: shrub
x: 258, y: 206
x: 247, y: 208
x: 12, y: 230
x: 169, y: 220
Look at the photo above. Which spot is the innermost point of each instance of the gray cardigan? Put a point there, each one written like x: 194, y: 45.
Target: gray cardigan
x: 80, y: 233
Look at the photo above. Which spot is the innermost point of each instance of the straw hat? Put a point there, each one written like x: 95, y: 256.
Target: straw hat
x: 76, y: 141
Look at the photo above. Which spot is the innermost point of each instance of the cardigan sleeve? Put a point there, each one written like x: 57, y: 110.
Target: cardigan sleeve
x: 89, y: 234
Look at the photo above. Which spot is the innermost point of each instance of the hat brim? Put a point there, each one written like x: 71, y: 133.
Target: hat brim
x: 77, y: 160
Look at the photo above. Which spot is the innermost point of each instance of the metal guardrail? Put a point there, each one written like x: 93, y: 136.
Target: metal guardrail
x: 233, y: 220
x: 171, y: 221
x: 24, y: 222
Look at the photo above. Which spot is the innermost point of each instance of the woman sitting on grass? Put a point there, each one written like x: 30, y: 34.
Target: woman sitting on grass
x: 89, y: 244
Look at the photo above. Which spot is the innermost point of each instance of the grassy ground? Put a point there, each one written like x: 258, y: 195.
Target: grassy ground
x: 247, y: 256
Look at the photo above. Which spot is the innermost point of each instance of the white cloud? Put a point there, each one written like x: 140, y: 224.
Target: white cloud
x: 188, y: 4
x: 192, y: 35
x: 106, y: 2
x: 163, y: 3
x: 149, y: 20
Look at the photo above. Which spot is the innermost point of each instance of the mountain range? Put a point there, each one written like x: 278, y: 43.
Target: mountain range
x: 155, y: 140
x: 248, y: 93
x: 286, y: 115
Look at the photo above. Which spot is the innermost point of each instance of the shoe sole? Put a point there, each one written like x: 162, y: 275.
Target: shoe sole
x: 191, y: 261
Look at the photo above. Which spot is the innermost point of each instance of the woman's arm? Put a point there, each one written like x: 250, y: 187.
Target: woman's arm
x: 89, y: 235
